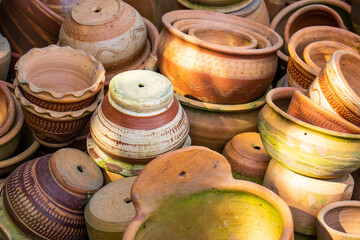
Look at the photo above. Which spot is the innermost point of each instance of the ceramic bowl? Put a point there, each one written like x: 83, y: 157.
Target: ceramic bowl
x: 7, y: 109
x: 301, y: 147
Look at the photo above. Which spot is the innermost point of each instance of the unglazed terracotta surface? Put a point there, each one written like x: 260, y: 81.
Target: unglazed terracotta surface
x: 306, y: 196
x: 216, y: 6
x: 7, y: 109
x: 5, y: 57
x: 178, y: 178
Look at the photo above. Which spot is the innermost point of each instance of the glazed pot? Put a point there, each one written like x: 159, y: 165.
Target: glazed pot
x: 71, y: 86
x: 110, y: 210
x: 339, y: 221
x: 306, y: 196
x: 305, y: 109
x: 139, y: 118
x: 301, y: 147
x: 49, y: 204
x: 216, y: 5
x: 5, y: 57
x: 213, y: 125
x: 61, y: 7
x: 256, y: 11
x: 299, y: 73
x: 239, y: 209
x: 211, y: 75
x: 7, y: 109
x: 336, y: 87
x: 247, y: 157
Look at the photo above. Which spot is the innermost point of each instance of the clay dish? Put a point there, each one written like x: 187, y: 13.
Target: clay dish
x: 59, y: 78
x: 215, y: 5
x: 339, y: 221
x: 317, y: 54
x: 7, y: 109
x: 200, y: 183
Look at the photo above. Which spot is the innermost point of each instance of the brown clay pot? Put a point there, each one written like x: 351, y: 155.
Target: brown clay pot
x: 247, y: 157
x: 5, y: 56
x: 7, y: 109
x: 45, y: 197
x: 211, y: 76
x: 61, y: 7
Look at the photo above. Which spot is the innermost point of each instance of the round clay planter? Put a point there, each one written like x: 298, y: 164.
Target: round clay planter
x: 301, y: 74
x: 61, y: 7
x: 139, y: 119
x: 7, y: 109
x: 339, y: 221
x: 110, y: 210
x: 256, y: 11
x: 5, y: 57
x: 213, y: 125
x: 28, y: 24
x: 301, y: 147
x: 336, y: 87
x: 305, y: 109
x: 45, y: 197
x: 233, y: 209
x: 70, y: 86
x: 215, y: 74
x: 216, y: 6
x: 247, y: 157
x: 306, y: 196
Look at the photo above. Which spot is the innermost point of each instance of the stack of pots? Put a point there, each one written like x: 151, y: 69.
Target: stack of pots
x: 138, y: 120
x: 58, y: 89
x: 114, y: 33
x: 219, y: 69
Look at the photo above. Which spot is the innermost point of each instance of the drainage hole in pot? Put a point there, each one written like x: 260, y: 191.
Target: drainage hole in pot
x: 97, y: 9
x: 305, y: 134
x: 257, y: 147
x: 182, y: 174
x: 141, y: 85
x: 127, y: 200
x: 80, y: 169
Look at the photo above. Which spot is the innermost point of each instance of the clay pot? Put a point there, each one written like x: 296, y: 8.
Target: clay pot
x: 61, y: 7
x: 45, y: 197
x: 71, y: 86
x: 239, y: 209
x: 110, y: 210
x: 299, y: 73
x: 247, y: 157
x: 339, y: 221
x: 356, y: 176
x: 274, y: 6
x: 28, y: 24
x: 5, y: 56
x: 211, y: 75
x: 301, y: 147
x: 256, y: 11
x: 336, y: 87
x: 213, y: 125
x: 306, y: 196
x: 304, y: 109
x: 221, y: 6
x: 7, y: 109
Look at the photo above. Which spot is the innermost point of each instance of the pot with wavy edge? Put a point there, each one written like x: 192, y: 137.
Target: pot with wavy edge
x: 49, y: 203
x: 301, y: 147
x: 5, y: 56
x: 299, y: 73
x: 339, y: 221
x: 306, y: 196
x: 233, y: 209
x: 61, y: 7
x: 71, y: 86
x: 214, y: 74
x: 7, y: 109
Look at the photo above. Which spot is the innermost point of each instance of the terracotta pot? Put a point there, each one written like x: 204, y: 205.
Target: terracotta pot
x: 336, y: 87
x: 301, y: 147
x: 256, y: 11
x: 139, y: 118
x: 5, y: 56
x: 355, y: 15
x: 7, y: 109
x: 216, y: 6
x: 213, y: 125
x: 247, y: 157
x: 299, y: 73
x: 304, y: 109
x: 110, y: 210
x: 61, y: 7
x: 274, y: 6
x: 27, y: 24
x: 339, y: 221
x: 211, y: 76
x: 306, y: 196
x: 71, y: 86
x: 49, y: 204
x: 356, y: 176
x: 239, y: 209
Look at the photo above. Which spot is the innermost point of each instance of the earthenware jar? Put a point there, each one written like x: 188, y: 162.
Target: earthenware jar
x: 218, y: 73
x: 301, y: 74
x: 306, y: 196
x: 339, y: 221
x: 71, y: 86
x: 7, y: 109
x: 61, y: 7
x: 45, y: 197
x: 110, y: 210
x: 239, y: 209
x: 247, y: 157
x: 301, y: 147
x: 336, y: 87
x: 5, y: 56
x: 305, y: 109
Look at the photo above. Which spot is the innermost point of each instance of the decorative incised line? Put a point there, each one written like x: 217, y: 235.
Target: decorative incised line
x: 302, y: 79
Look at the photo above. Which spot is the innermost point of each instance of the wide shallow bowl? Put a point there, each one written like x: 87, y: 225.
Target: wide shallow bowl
x: 196, y: 183
x: 301, y: 147
x: 7, y: 109
x: 339, y: 221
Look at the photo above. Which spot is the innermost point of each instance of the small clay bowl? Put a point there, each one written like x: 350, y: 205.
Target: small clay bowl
x: 7, y: 109
x: 59, y: 79
x: 339, y: 221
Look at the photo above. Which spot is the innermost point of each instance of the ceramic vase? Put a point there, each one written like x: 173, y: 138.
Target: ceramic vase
x: 5, y: 57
